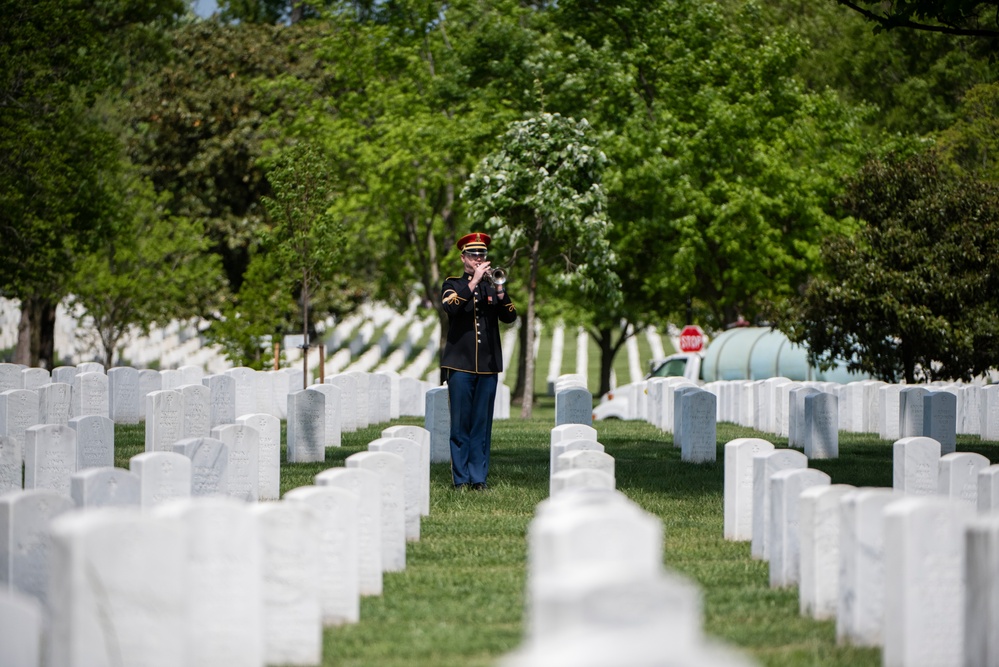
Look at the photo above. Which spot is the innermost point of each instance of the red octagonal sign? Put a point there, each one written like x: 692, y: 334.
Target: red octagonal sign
x: 691, y: 338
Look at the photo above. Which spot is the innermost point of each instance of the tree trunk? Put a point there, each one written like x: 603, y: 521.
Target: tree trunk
x: 605, y: 341
x: 527, y: 407
x: 518, y: 391
x: 36, y: 333
x: 22, y: 353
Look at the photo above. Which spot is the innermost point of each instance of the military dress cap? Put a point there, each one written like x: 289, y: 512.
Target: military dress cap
x: 474, y: 241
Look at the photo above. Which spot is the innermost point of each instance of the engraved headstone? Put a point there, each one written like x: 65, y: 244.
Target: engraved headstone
x: 163, y: 476
x: 49, y: 457
x: 90, y: 394
x: 94, y: 441
x: 796, y: 415
x: 90, y: 367
x: 24, y: 545
x: 915, y: 466
x: 766, y: 464
x: 292, y: 616
x: 306, y: 430
x: 246, y: 390
x: 222, y: 399
x: 105, y: 608
x: 18, y: 412
x: 268, y: 429
x: 910, y: 411
x: 566, y: 481
x: 209, y: 465
x: 860, y: 602
x: 924, y: 582
x: 988, y: 413
x: 940, y: 419
x: 64, y: 374
x: 348, y: 401
x: 958, y: 476
x: 164, y: 419
x: 10, y: 376
x: 11, y: 465
x: 54, y: 403
x: 696, y: 430
x: 889, y: 397
x: 738, y: 513
x: 438, y: 422
x: 563, y: 446
x: 104, y: 487
x: 379, y: 398
x: 821, y: 426
x: 244, y: 459
x: 421, y: 436
x: 819, y: 520
x: 149, y: 381
x: 123, y: 395
x: 412, y: 402
x: 785, y: 489
x: 574, y: 405
x: 367, y: 486
x: 33, y: 378
x: 333, y: 407
x: 223, y: 594
x: 339, y: 562
x: 362, y: 414
x: 391, y: 470
x: 569, y: 432
x: 585, y: 459
x: 196, y: 399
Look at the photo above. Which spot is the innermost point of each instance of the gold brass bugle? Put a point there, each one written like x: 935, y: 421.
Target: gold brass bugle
x: 496, y: 276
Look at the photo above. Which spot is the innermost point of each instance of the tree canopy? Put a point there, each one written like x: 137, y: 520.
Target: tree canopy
x: 913, y: 295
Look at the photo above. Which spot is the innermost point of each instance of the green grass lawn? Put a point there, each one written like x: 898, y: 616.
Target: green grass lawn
x: 460, y: 600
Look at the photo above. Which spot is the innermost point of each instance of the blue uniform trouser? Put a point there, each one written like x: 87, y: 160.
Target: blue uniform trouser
x: 471, y: 397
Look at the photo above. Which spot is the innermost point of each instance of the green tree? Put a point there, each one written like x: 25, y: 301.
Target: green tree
x: 972, y: 142
x: 58, y: 160
x: 153, y: 269
x: 912, y: 295
x: 298, y: 255
x: 416, y: 93
x: 540, y: 196
x: 956, y: 17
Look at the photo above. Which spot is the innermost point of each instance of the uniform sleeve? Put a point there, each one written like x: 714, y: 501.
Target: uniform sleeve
x: 455, y: 296
x: 507, y: 311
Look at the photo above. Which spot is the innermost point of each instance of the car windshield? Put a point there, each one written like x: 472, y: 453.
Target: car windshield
x: 671, y: 368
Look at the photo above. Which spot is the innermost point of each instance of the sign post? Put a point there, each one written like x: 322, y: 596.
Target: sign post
x: 691, y: 338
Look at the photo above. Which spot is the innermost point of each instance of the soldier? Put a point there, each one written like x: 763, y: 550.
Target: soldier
x: 472, y: 359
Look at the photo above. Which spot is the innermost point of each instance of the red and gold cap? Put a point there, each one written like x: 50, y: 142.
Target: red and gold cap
x: 474, y: 241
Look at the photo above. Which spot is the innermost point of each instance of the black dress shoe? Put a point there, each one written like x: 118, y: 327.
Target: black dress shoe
x: 479, y: 486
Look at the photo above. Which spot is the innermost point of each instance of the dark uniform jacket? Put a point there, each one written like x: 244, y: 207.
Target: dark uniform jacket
x: 473, y: 338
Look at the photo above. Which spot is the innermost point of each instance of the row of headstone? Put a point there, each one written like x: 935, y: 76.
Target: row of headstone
x: 902, y: 568
x: 122, y: 394
x: 136, y: 566
x: 776, y: 405
x: 597, y: 593
x: 578, y: 461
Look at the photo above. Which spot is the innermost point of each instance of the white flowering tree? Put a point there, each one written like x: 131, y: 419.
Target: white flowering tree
x: 540, y: 198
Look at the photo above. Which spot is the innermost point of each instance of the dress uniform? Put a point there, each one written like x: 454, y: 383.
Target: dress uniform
x: 472, y: 359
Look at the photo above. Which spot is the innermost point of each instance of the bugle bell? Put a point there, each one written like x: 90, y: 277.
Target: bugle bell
x: 496, y: 276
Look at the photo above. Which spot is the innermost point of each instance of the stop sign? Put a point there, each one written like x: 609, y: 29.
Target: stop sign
x: 691, y: 338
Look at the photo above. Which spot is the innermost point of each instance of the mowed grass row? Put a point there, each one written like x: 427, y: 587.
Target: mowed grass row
x: 460, y: 600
